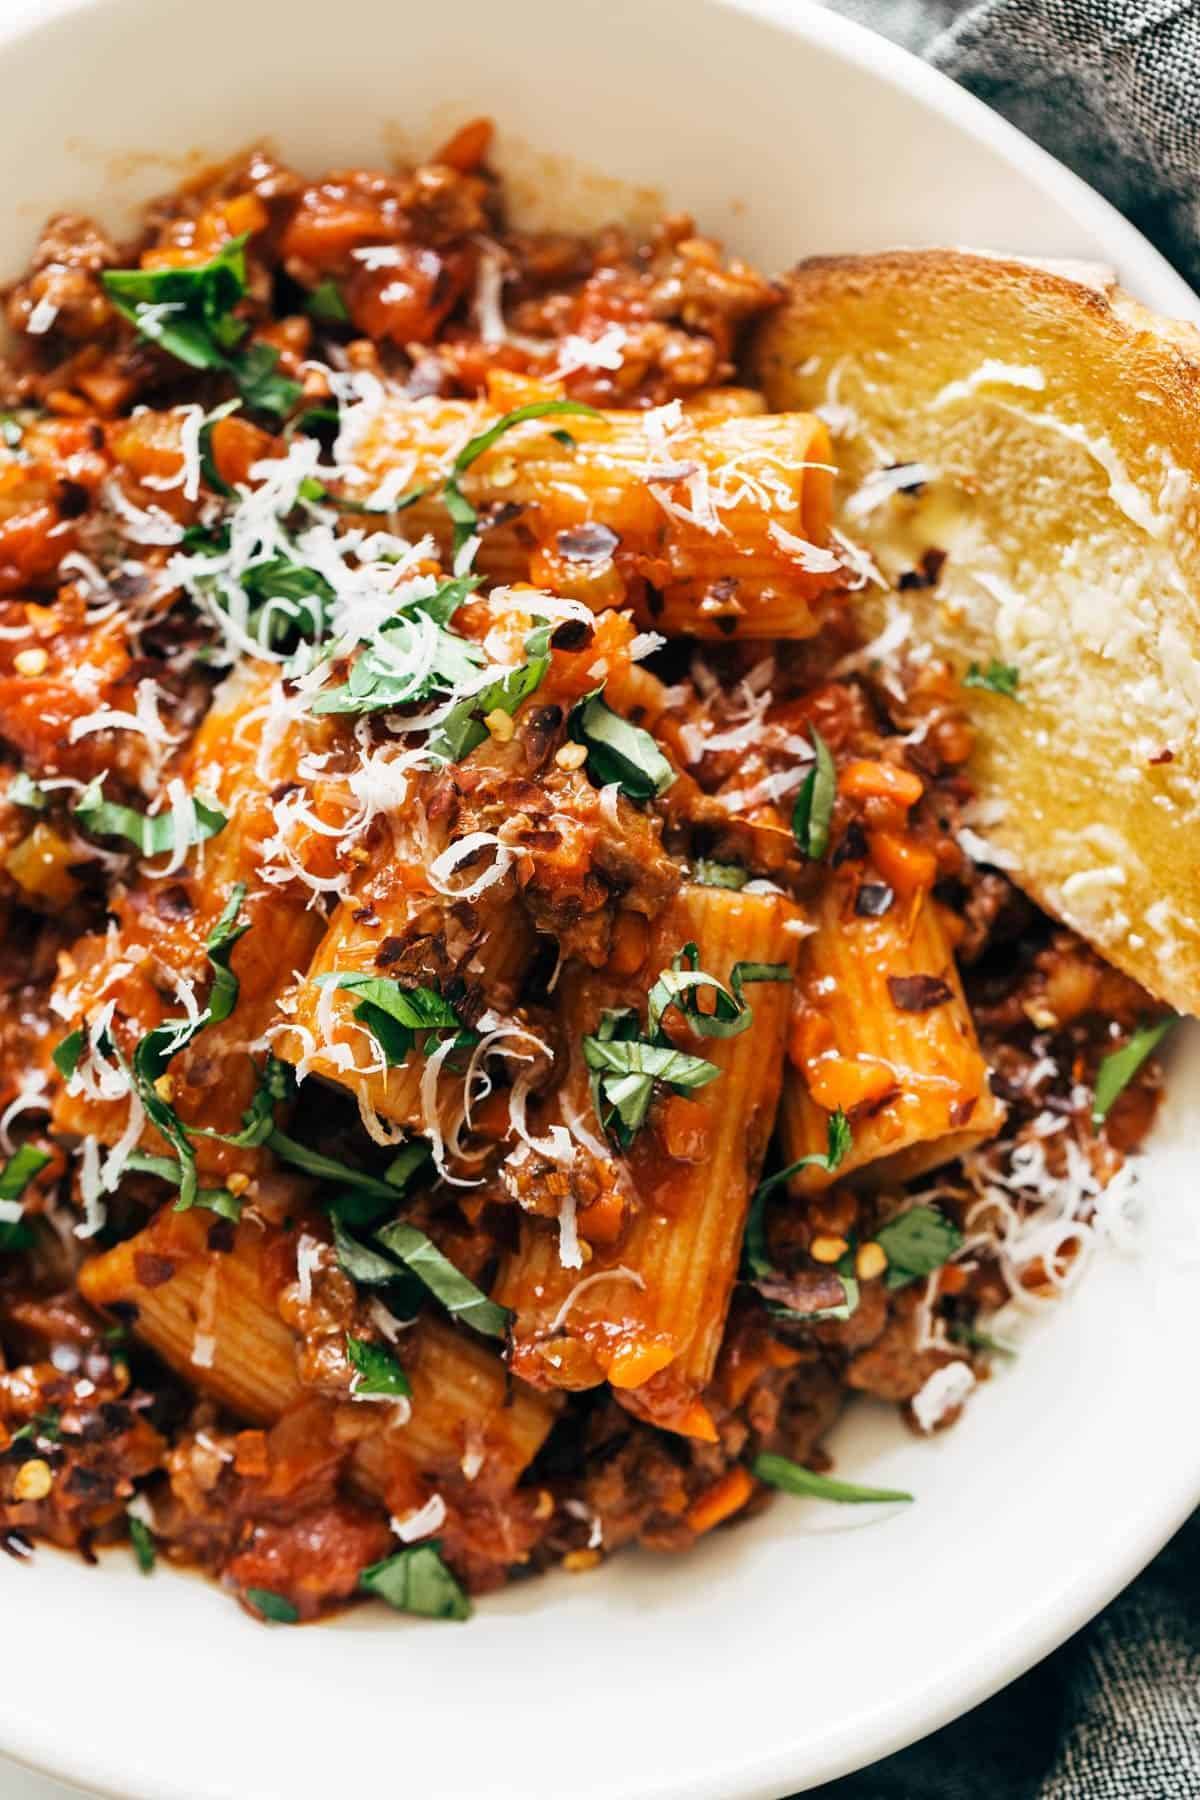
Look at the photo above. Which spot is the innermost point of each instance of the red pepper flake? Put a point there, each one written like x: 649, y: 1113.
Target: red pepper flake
x: 152, y: 1271
x: 873, y: 899
x: 918, y: 993
x: 587, y: 543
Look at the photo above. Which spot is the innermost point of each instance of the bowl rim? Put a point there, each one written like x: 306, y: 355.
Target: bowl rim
x: 765, y: 1773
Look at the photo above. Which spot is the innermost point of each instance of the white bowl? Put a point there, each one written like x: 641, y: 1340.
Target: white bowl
x: 804, y: 1645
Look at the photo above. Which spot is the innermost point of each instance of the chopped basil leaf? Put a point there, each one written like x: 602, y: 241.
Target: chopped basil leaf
x: 20, y: 1170
x: 779, y: 1472
x: 980, y: 1340
x: 167, y: 1168
x: 718, y: 874
x: 460, y: 1297
x: 997, y: 678
x: 24, y: 791
x: 405, y: 1164
x: 11, y: 431
x: 916, y: 1243
x: 259, y: 382
x: 272, y: 1606
x: 152, y: 836
x: 142, y: 1540
x: 43, y: 1425
x: 324, y: 1168
x: 813, y: 811
x: 15, y: 1177
x: 275, y: 1083
x: 624, y: 1069
x: 326, y: 304
x: 158, y: 1047
x: 397, y: 1017
x: 401, y: 665
x: 359, y: 1261
x: 377, y: 1371
x: 66, y: 1054
x: 756, y: 1256
x: 1120, y: 1066
x: 731, y: 1014
x: 618, y: 751
x: 463, y: 728
x: 462, y: 513
x: 416, y: 1580
x: 208, y: 467
x: 223, y: 994
x: 187, y: 312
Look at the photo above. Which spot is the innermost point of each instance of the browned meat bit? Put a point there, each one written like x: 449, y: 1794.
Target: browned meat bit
x: 62, y: 293
x: 996, y: 912
x: 895, y: 1366
x: 312, y: 1561
x: 1065, y: 982
x: 74, y: 1437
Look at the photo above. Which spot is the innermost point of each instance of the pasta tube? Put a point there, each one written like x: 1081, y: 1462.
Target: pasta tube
x: 213, y: 1315
x: 712, y: 524
x: 648, y: 1312
x: 151, y: 963
x: 882, y: 1031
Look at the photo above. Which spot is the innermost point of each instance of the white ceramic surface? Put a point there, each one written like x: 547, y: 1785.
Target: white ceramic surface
x: 819, y: 1638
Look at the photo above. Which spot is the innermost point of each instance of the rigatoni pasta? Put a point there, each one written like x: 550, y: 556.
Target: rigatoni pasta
x: 503, y: 1033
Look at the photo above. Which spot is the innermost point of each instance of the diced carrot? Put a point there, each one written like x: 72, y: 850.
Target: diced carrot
x: 721, y: 1500
x: 323, y: 231
x: 602, y: 1221
x: 868, y: 780
x: 250, y: 1453
x: 468, y: 147
x: 682, y: 1127
x: 246, y: 212
x: 634, y: 1363
x: 40, y: 865
x: 904, y: 864
x: 840, y: 1083
x: 697, y: 1422
x: 236, y: 446
x: 630, y: 940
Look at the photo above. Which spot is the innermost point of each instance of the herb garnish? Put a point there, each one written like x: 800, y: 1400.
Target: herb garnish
x: 24, y: 791
x: 399, y: 1018
x: 916, y: 1243
x: 67, y: 1052
x: 189, y: 313
x: 780, y: 1472
x: 813, y: 811
x: 463, y: 514
x: 756, y: 1257
x: 142, y: 1540
x: 15, y: 1177
x: 1120, y: 1066
x: 152, y: 836
x: 402, y: 1246
x: 416, y: 1580
x: 618, y: 751
x: 376, y: 1371
x: 731, y: 1012
x: 996, y: 678
x: 272, y: 1606
x: 155, y: 1051
x: 326, y: 304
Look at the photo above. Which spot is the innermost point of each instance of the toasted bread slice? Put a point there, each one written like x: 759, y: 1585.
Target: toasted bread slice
x: 1056, y: 426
